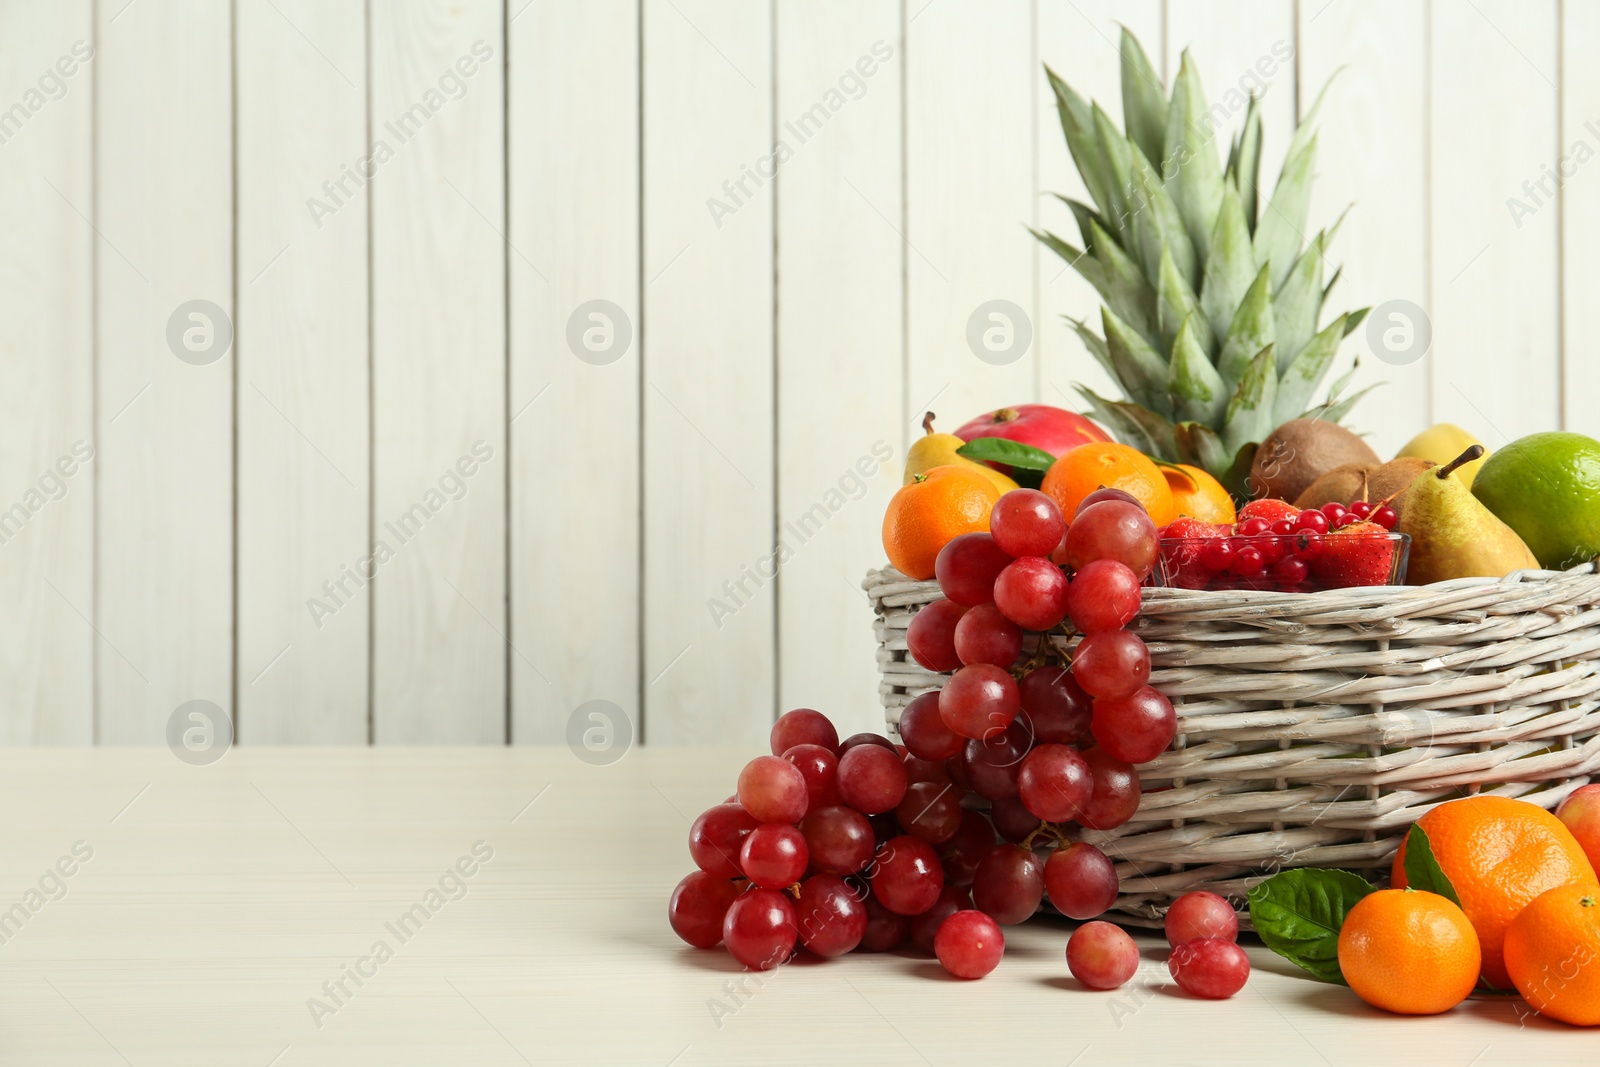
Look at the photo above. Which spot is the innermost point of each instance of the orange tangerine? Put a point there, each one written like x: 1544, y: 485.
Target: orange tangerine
x: 1112, y: 466
x: 932, y: 510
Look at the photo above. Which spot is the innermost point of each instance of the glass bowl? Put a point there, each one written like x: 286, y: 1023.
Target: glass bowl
x: 1331, y: 561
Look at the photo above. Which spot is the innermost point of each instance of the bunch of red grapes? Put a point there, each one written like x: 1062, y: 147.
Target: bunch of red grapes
x: 834, y: 847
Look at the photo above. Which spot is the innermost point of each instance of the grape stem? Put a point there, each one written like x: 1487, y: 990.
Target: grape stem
x: 1046, y: 829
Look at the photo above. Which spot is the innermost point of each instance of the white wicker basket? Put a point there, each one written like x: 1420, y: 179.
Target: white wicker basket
x: 1314, y: 728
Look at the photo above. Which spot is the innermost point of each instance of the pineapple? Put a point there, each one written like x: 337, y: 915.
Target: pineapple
x: 1211, y: 307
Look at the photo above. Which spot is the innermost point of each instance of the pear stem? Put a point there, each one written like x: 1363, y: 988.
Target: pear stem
x: 927, y: 422
x: 1475, y: 452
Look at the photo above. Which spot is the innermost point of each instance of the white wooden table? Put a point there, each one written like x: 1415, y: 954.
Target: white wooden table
x: 218, y: 901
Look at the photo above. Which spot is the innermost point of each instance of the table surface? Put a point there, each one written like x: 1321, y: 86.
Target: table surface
x: 206, y: 908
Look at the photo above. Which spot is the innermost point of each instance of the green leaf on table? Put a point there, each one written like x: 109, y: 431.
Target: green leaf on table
x: 1298, y: 914
x: 1011, y: 453
x: 1422, y: 867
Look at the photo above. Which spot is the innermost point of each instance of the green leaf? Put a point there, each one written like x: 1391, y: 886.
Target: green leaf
x: 1080, y: 261
x: 1200, y: 446
x: 1118, y: 162
x: 1004, y: 450
x: 1307, y: 371
x: 1298, y: 914
x: 1122, y: 427
x: 1083, y: 214
x: 1144, y: 429
x: 1096, y: 346
x: 1198, y: 391
x: 1175, y: 302
x: 1331, y: 412
x: 1157, y: 225
x: 1140, y: 368
x: 1283, y: 224
x: 1244, y: 167
x: 1422, y: 867
x: 1078, y: 127
x: 1249, y: 332
x: 1144, y: 98
x: 1231, y: 266
x: 1129, y: 295
x: 1296, y: 305
x: 1189, y: 160
x: 1249, y: 417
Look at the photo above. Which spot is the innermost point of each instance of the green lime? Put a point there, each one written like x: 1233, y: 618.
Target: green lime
x: 1547, y: 488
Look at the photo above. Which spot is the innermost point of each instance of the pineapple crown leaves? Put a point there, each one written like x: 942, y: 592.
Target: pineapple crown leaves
x: 1213, y: 297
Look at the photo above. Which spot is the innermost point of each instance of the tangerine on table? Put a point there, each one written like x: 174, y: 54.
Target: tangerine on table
x: 1499, y: 854
x: 1198, y: 495
x: 932, y: 510
x: 1552, y: 950
x: 1409, y: 952
x: 1113, y: 466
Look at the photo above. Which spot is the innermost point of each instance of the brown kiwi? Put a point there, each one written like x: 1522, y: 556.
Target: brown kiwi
x: 1299, y: 452
x: 1344, y: 484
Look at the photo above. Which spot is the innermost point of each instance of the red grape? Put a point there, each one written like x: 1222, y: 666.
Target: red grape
x: 1107, y: 493
x: 1116, y: 791
x: 923, y: 770
x: 1081, y: 881
x: 1104, y: 595
x: 956, y: 768
x: 773, y: 790
x: 1008, y: 884
x: 830, y: 917
x: 979, y: 700
x: 839, y: 840
x: 985, y: 636
x: 1111, y: 663
x: 1209, y: 967
x: 1014, y: 821
x: 716, y: 837
x: 885, y: 929
x: 930, y: 811
x: 1200, y: 914
x: 872, y: 779
x: 963, y: 852
x: 969, y: 944
x: 1113, y: 529
x: 993, y: 764
x: 1025, y: 522
x: 774, y: 856
x: 931, y: 636
x: 1102, y: 956
x: 967, y: 567
x: 760, y: 929
x: 907, y: 875
x: 820, y: 768
x: 925, y: 927
x: 1135, y: 728
x: 924, y: 732
x: 865, y: 738
x: 1056, y: 703
x: 802, y: 726
x: 1032, y: 592
x: 698, y: 906
x: 1053, y: 782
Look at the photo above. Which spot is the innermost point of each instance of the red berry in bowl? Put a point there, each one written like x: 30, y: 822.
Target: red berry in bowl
x: 1386, y: 517
x: 1283, y: 527
x: 1290, y: 570
x: 1252, y: 527
x: 1312, y: 520
x: 1335, y: 513
x: 1216, y: 555
x: 1247, y: 562
x: 1361, y: 509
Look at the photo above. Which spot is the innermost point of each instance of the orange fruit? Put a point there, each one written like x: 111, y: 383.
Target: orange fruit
x: 1112, y: 466
x: 1199, y: 496
x: 1408, y: 952
x: 1553, y: 953
x: 1499, y: 854
x: 932, y: 510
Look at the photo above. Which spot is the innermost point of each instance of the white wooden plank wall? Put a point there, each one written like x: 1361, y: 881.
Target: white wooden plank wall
x: 576, y: 347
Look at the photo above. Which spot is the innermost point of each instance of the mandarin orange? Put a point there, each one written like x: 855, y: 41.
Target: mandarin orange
x: 932, y: 510
x: 1552, y: 951
x: 1112, y: 466
x: 1409, y: 952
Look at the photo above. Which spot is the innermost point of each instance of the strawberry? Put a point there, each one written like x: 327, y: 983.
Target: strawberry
x: 1187, y: 527
x: 1180, y: 560
x: 1269, y: 509
x: 1360, y: 554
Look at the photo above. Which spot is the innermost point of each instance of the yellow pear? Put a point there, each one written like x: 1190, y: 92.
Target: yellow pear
x: 1453, y: 535
x: 1445, y: 442
x: 939, y: 450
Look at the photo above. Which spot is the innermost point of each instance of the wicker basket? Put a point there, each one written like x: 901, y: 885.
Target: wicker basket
x: 1314, y: 728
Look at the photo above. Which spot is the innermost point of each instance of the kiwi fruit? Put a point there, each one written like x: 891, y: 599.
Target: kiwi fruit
x: 1344, y: 484
x: 1299, y: 452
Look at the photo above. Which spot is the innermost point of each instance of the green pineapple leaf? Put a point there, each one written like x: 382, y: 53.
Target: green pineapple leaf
x: 1140, y: 367
x: 1198, y: 445
x: 1144, y: 99
x: 1097, y: 348
x: 1295, y: 307
x: 1084, y: 215
x: 1189, y: 162
x: 1118, y: 161
x: 1128, y: 294
x: 1249, y: 416
x: 1080, y: 261
x: 1158, y: 225
x: 1175, y: 302
x: 1135, y: 424
x: 1250, y: 331
x: 1077, y: 125
x: 1335, y: 412
x: 1231, y: 266
x: 1308, y: 368
x: 1244, y: 166
x: 1198, y: 391
x: 1283, y: 224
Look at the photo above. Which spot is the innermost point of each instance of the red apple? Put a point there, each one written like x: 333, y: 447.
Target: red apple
x: 1581, y: 814
x: 1051, y: 429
